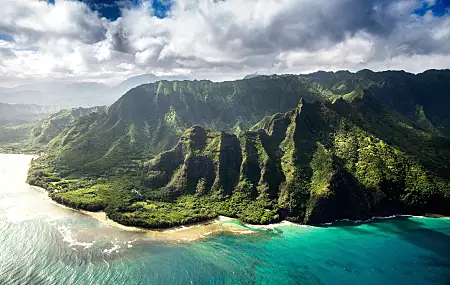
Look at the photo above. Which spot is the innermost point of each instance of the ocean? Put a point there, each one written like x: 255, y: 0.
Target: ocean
x: 43, y: 243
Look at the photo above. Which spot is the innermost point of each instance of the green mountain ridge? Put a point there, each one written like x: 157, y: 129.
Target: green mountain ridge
x: 422, y: 98
x: 357, y: 145
x: 314, y: 164
x: 150, y: 118
x: 35, y: 131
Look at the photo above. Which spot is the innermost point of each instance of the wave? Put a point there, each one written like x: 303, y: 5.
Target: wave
x: 115, y: 248
x: 372, y: 219
x: 66, y: 233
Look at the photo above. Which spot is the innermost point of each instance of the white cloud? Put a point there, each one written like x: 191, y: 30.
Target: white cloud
x: 220, y: 39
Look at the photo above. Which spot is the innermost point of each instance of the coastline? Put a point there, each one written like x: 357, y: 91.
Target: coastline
x: 222, y: 224
x: 213, y: 227
x: 185, y: 233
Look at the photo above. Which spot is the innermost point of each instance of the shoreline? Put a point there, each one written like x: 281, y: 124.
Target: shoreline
x: 214, y: 227
x: 186, y: 233
x: 426, y: 215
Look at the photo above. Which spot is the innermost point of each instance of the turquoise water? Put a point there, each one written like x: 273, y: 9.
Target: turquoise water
x: 41, y: 243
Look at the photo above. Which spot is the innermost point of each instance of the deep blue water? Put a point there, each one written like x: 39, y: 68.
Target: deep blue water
x: 41, y: 243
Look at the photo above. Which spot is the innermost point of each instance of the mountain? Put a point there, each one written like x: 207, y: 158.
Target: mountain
x: 28, y: 129
x: 146, y: 78
x: 135, y: 81
x: 422, y: 98
x: 357, y: 145
x: 314, y: 164
x: 150, y: 118
x: 15, y: 114
x: 64, y: 95
x: 44, y: 131
x: 250, y: 76
x: 15, y: 120
x: 77, y: 94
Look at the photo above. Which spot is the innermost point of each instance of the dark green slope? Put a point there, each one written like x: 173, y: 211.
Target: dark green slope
x: 360, y: 144
x: 317, y: 163
x: 39, y: 132
x: 15, y: 120
x: 150, y: 118
x: 423, y: 98
x: 314, y: 164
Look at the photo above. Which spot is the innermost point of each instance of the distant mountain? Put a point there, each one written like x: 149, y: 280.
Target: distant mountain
x: 250, y: 76
x: 16, y: 121
x: 28, y: 128
x: 77, y: 94
x: 16, y: 114
x: 135, y: 81
x: 60, y: 94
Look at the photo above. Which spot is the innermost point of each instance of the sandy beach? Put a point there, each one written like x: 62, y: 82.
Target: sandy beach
x: 186, y: 233
x: 192, y: 232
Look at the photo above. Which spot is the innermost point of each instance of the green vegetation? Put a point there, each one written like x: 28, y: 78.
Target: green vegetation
x: 30, y: 129
x: 357, y: 145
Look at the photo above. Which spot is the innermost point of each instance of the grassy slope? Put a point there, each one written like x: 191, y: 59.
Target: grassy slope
x: 150, y: 118
x: 379, y: 154
x: 316, y: 163
x: 39, y: 134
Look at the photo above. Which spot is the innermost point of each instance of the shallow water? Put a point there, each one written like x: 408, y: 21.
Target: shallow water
x: 42, y: 243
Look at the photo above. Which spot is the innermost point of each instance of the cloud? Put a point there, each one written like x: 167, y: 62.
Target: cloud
x: 221, y: 39
x: 31, y: 21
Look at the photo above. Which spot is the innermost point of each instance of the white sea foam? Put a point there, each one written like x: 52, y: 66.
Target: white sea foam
x: 66, y: 233
x: 114, y: 248
x: 370, y: 219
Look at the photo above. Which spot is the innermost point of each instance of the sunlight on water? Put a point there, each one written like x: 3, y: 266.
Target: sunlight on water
x: 43, y: 243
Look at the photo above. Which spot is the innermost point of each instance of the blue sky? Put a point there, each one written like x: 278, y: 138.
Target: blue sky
x: 6, y: 37
x: 439, y: 8
x: 110, y: 9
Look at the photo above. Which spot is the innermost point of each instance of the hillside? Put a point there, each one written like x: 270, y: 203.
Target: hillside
x: 314, y: 164
x: 30, y: 130
x: 150, y: 118
x: 422, y: 98
x: 17, y: 114
x: 357, y: 145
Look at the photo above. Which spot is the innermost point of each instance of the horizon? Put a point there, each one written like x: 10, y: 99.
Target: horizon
x: 110, y: 41
x: 63, y: 81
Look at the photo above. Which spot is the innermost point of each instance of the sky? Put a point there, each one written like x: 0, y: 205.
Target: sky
x: 110, y: 40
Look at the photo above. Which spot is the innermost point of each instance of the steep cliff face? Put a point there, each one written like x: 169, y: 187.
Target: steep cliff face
x: 422, y: 98
x: 202, y: 163
x: 347, y: 151
x: 314, y: 164
x: 151, y: 118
